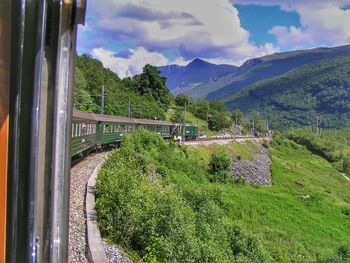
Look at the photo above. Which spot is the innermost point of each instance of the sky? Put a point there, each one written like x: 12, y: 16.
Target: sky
x: 127, y: 34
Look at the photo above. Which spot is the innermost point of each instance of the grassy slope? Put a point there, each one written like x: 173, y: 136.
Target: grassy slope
x: 332, y: 145
x: 288, y: 225
x: 291, y: 228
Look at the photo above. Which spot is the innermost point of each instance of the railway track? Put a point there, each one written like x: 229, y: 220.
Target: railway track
x: 223, y: 140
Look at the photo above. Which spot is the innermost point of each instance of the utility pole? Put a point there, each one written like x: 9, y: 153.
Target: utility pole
x: 129, y: 108
x: 267, y: 125
x: 185, y: 120
x: 206, y: 126
x: 317, y: 126
x: 102, y: 100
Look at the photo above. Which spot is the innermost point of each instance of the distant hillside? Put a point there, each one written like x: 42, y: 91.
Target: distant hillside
x: 184, y: 78
x: 298, y: 98
x: 268, y: 66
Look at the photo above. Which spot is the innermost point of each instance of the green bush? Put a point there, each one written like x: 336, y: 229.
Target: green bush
x: 154, y: 199
x: 341, y: 256
x: 346, y: 164
x: 219, y: 168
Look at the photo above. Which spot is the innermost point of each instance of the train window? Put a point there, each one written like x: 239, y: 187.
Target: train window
x: 84, y: 130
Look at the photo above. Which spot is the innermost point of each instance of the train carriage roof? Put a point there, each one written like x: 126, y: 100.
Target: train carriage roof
x: 77, y: 114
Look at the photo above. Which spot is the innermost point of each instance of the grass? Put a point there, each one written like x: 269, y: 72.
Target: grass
x: 333, y: 145
x: 302, y: 217
x: 295, y: 229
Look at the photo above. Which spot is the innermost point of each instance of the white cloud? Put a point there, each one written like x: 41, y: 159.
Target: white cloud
x: 195, y: 28
x: 131, y: 65
x: 324, y: 22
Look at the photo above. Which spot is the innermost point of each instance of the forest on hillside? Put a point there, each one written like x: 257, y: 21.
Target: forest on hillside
x: 317, y: 94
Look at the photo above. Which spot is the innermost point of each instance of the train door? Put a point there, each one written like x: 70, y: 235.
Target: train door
x: 5, y: 44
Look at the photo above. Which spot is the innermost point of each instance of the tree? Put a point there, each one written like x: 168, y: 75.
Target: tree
x: 258, y: 123
x: 219, y: 121
x: 346, y: 164
x: 238, y: 117
x: 219, y: 167
x: 217, y: 105
x: 181, y: 99
x: 178, y: 116
x: 201, y: 109
x: 151, y: 84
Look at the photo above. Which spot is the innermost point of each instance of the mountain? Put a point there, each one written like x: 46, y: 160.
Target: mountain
x: 317, y: 93
x: 184, y: 78
x: 266, y: 67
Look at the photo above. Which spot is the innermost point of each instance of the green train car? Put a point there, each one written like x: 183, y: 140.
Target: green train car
x: 92, y: 131
x: 84, y: 130
x: 187, y: 131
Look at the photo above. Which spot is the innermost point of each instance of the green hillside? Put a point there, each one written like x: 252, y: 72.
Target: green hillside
x: 147, y: 93
x: 311, y: 94
x: 164, y: 202
x: 331, y: 145
x: 275, y: 65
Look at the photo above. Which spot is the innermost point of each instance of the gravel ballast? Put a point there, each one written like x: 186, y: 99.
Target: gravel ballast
x: 77, y: 250
x: 80, y: 174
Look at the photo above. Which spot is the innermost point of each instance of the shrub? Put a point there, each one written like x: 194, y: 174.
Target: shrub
x: 148, y: 201
x: 346, y: 164
x: 246, y: 248
x: 219, y: 167
x: 341, y: 256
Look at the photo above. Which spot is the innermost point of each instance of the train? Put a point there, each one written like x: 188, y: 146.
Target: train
x: 91, y: 131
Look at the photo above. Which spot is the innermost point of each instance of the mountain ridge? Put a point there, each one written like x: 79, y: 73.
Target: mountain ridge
x: 198, y: 70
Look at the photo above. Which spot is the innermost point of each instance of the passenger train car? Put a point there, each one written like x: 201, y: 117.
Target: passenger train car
x: 92, y: 131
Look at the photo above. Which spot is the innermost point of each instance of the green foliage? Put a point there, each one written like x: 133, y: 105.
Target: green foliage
x: 152, y: 85
x: 219, y: 121
x: 238, y: 117
x: 146, y: 92
x: 153, y: 197
x: 346, y: 164
x: 178, y: 116
x: 297, y: 98
x: 182, y: 100
x: 245, y: 248
x: 341, y: 256
x: 219, y: 167
x: 334, y: 146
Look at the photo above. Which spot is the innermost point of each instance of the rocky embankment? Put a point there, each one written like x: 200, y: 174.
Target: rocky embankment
x: 255, y: 171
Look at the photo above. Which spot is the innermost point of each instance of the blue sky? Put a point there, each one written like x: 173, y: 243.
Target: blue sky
x: 125, y: 35
x: 258, y: 20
